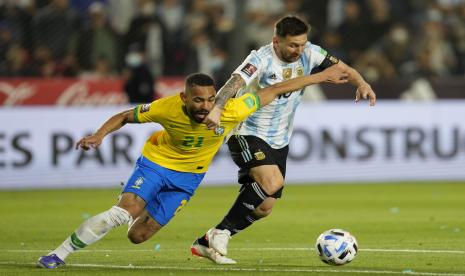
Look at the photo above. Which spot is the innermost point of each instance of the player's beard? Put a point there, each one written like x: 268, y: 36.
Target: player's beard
x: 291, y: 58
x: 198, y: 115
x: 288, y: 57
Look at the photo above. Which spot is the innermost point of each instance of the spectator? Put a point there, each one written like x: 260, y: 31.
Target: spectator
x: 176, y: 37
x: 101, y: 70
x: 96, y: 40
x: 53, y: 27
x: 43, y: 64
x: 16, y: 62
x: 139, y: 81
x: 17, y: 18
x: 380, y: 20
x: 396, y: 46
x: 353, y: 31
x: 146, y: 30
x: 435, y: 54
x: 374, y: 66
x: 172, y: 14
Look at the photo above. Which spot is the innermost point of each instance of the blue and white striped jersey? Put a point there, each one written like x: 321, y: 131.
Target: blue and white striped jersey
x: 274, y: 122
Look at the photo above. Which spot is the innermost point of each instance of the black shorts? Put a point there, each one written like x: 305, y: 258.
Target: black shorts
x: 250, y: 151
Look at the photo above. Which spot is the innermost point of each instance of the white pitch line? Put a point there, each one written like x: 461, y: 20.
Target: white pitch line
x: 248, y: 249
x: 236, y: 269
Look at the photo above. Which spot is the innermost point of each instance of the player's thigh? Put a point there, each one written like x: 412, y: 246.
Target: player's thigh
x: 259, y: 162
x: 269, y: 177
x: 143, y: 228
x: 166, y: 204
x: 143, y: 183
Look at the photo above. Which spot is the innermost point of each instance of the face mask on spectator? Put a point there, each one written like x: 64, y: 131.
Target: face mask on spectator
x: 133, y: 59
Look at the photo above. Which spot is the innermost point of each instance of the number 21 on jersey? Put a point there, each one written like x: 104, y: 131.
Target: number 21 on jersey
x: 192, y: 141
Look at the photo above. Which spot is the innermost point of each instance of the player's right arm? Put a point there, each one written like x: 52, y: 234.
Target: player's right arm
x: 335, y: 74
x: 243, y: 75
x: 224, y: 94
x: 115, y: 122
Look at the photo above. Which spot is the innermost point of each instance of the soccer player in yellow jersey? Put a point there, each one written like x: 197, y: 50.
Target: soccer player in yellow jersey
x: 173, y: 161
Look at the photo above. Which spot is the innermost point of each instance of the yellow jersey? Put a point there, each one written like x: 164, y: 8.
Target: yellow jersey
x: 185, y: 145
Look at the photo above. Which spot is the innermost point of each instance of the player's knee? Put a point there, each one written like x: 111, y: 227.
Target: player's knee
x: 271, y: 184
x: 270, y: 180
x: 137, y: 237
x: 132, y: 204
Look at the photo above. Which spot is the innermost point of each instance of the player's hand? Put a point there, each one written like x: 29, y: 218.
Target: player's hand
x: 365, y: 92
x: 91, y: 141
x: 213, y: 118
x: 336, y: 74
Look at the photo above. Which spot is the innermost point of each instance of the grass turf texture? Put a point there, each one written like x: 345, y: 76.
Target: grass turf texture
x: 383, y: 217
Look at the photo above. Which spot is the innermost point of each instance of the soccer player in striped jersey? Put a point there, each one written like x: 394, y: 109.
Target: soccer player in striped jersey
x: 173, y: 161
x: 260, y: 144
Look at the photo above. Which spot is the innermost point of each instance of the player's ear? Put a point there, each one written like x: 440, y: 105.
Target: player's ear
x: 183, y: 97
x: 275, y: 40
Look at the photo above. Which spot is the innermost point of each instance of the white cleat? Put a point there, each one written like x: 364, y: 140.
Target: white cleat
x: 205, y: 252
x: 218, y: 240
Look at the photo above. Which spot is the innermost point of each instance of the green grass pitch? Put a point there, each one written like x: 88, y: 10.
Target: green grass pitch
x: 402, y: 229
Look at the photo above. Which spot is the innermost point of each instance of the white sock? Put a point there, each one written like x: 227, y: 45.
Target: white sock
x: 93, y: 230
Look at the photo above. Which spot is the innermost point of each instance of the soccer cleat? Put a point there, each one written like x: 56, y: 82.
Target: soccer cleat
x: 205, y: 252
x: 50, y: 261
x: 218, y: 240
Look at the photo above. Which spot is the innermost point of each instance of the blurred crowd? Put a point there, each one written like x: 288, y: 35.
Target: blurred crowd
x: 102, y: 39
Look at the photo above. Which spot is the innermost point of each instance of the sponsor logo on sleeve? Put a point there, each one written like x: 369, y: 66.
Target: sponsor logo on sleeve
x: 249, y: 102
x: 323, y: 52
x: 249, y: 69
x: 144, y: 108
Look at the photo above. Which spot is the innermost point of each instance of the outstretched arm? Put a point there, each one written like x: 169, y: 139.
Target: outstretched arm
x: 224, y: 94
x: 335, y: 74
x: 364, y: 90
x: 114, y: 123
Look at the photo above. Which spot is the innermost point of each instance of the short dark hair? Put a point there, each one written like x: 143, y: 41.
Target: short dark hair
x: 199, y: 79
x: 291, y: 25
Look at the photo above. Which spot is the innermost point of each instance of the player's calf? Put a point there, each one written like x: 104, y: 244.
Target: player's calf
x: 143, y: 228
x: 89, y: 232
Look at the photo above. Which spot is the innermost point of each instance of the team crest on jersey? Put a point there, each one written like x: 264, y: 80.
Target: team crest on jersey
x: 259, y: 155
x: 249, y: 69
x: 219, y: 130
x: 144, y: 108
x: 139, y: 181
x: 287, y: 73
x: 300, y: 71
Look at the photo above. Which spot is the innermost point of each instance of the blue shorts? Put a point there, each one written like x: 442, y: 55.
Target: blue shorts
x: 164, y: 191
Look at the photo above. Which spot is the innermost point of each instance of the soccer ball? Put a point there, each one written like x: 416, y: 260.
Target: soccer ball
x: 336, y: 247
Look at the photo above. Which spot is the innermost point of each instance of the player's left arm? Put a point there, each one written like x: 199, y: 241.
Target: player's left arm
x: 364, y: 90
x: 336, y: 74
x: 114, y: 123
x: 324, y: 60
